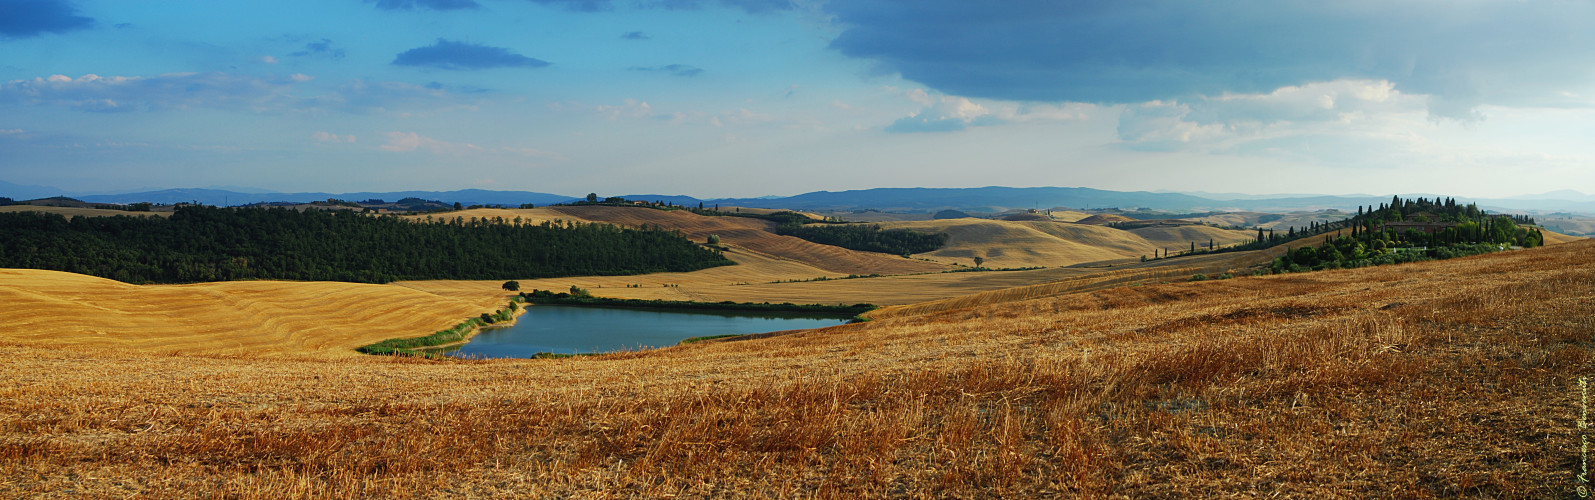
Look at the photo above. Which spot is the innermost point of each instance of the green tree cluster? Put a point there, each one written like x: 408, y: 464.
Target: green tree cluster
x: 199, y: 244
x: 866, y: 238
x: 1368, y: 238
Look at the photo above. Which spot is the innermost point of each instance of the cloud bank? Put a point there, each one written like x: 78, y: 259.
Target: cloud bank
x: 30, y: 18
x: 1463, y: 54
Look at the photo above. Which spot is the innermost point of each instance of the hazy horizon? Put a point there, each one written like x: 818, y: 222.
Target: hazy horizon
x: 1218, y: 196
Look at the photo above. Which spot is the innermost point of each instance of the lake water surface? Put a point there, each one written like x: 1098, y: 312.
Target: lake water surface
x: 575, y: 329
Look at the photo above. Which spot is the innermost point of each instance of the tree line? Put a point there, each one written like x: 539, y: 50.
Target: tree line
x: 199, y: 244
x: 866, y: 238
x: 580, y: 297
x: 1447, y: 229
x: 861, y: 237
x: 1469, y: 225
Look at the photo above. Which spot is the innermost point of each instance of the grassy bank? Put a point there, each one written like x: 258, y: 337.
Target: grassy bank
x: 458, y: 333
x: 581, y: 298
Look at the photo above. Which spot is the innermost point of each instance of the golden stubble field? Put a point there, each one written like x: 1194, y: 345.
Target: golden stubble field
x: 245, y: 318
x: 1428, y: 380
x: 1041, y: 243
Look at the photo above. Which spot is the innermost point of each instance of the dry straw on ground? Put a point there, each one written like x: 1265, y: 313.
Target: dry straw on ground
x: 1438, y: 379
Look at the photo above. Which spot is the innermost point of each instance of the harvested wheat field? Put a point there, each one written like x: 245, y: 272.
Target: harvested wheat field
x: 1025, y: 243
x: 1101, y: 219
x: 754, y: 235
x: 761, y: 279
x: 1040, y: 243
x: 1179, y: 238
x: 242, y: 318
x: 1554, y: 238
x: 1435, y: 379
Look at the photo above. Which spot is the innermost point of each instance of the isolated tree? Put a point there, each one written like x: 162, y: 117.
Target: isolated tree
x: 979, y: 260
x: 513, y: 286
x: 714, y: 239
x: 592, y: 197
x: 458, y: 206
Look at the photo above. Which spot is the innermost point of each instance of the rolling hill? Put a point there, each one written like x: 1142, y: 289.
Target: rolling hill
x: 240, y: 318
x: 1037, y: 243
x: 1412, y: 380
x: 754, y: 235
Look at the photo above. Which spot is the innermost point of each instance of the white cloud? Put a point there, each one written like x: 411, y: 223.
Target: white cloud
x: 330, y: 137
x: 1163, y: 125
x: 268, y: 59
x: 219, y: 90
x: 93, y: 92
x: 945, y: 113
x: 1352, y: 113
x: 631, y: 109
x: 403, y: 142
x: 13, y: 131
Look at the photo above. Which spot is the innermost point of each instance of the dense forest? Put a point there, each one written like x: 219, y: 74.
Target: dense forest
x: 1405, y: 231
x: 198, y: 244
x: 861, y: 237
x: 581, y: 297
x: 866, y: 238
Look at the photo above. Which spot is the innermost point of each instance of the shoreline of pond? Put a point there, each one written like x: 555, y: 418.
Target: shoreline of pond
x: 580, y: 329
x: 463, y: 333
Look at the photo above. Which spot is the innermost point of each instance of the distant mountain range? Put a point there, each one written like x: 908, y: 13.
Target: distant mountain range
x: 981, y: 199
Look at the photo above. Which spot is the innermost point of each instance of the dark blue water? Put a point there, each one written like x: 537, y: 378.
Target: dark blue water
x: 573, y: 329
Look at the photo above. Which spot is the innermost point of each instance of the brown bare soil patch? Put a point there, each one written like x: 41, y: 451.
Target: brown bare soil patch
x: 1437, y: 379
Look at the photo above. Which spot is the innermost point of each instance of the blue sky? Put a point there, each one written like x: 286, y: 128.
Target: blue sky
x: 775, y: 97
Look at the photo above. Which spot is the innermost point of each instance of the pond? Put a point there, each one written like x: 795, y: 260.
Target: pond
x: 576, y: 329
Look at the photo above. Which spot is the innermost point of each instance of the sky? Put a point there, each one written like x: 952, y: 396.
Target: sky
x: 738, y: 98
